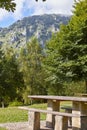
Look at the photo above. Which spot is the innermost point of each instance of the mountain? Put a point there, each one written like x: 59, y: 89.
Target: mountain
x: 40, y: 26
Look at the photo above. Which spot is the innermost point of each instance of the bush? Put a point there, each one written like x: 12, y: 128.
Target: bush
x: 15, y: 103
x: 74, y: 88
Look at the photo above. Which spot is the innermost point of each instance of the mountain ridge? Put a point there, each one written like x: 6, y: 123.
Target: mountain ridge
x: 40, y: 26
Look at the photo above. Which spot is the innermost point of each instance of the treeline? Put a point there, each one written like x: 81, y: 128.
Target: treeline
x: 58, y: 69
x: 21, y: 72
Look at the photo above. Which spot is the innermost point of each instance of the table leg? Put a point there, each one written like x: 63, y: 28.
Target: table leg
x: 79, y: 123
x: 61, y: 123
x: 34, y: 120
x: 52, y: 106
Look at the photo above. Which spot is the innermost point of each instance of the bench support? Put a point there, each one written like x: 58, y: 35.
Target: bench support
x: 68, y: 110
x: 52, y: 106
x: 79, y: 123
x: 34, y: 120
x: 61, y: 123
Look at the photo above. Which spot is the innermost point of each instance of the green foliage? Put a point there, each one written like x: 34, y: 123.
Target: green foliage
x: 31, y: 58
x: 73, y: 46
x: 15, y: 103
x: 56, y: 87
x: 11, y: 80
x: 9, y: 5
x: 65, y: 63
x: 67, y: 50
x: 74, y: 88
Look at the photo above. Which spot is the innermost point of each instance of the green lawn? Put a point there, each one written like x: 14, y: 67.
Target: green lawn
x: 2, y: 128
x: 67, y: 103
x: 13, y: 114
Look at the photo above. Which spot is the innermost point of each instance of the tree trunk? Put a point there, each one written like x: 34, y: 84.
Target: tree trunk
x: 2, y: 104
x: 86, y: 86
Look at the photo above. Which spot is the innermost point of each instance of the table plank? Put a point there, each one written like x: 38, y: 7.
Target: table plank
x: 60, y: 98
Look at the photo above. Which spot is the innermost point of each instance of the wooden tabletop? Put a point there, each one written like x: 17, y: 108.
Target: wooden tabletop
x: 60, y: 98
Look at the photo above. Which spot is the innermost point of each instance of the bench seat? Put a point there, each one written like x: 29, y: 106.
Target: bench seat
x: 51, y: 112
x: 61, y: 118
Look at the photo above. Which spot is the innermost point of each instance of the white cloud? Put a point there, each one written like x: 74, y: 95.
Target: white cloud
x: 40, y: 7
x: 3, y: 14
x: 19, y: 9
x: 50, y: 6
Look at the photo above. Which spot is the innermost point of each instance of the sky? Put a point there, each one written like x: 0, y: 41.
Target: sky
x: 26, y: 8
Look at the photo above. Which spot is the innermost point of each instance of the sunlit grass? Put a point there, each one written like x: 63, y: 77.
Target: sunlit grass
x: 2, y: 128
x: 14, y: 114
x: 66, y: 103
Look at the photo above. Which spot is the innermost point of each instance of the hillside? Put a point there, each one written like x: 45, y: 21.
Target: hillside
x: 40, y: 26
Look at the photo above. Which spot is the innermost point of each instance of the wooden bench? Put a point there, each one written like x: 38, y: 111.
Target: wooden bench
x: 61, y: 118
x: 68, y: 109
x: 79, y: 105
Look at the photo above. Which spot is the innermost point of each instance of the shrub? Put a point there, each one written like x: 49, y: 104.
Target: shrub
x: 15, y: 103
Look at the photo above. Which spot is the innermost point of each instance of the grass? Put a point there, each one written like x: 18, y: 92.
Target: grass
x: 13, y: 114
x: 67, y: 103
x: 2, y: 128
x: 40, y: 106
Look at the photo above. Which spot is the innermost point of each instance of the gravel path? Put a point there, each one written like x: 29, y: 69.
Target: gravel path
x: 15, y: 126
x: 23, y: 126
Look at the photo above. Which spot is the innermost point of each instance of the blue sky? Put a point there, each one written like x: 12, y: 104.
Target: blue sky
x: 26, y: 8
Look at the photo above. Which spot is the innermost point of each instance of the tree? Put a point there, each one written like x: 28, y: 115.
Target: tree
x: 50, y: 66
x: 31, y: 58
x: 11, y: 80
x: 73, y: 47
x: 9, y: 5
x: 70, y: 58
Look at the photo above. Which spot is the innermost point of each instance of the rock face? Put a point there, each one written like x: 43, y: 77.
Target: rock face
x: 40, y: 26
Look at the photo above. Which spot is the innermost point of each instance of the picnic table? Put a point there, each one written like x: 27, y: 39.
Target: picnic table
x: 79, y: 107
